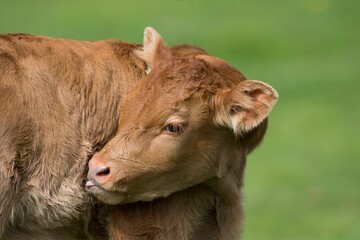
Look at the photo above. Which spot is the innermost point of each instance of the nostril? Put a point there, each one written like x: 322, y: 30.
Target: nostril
x: 102, y: 171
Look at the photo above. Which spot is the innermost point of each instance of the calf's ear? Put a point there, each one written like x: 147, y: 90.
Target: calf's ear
x: 154, y: 50
x: 245, y: 106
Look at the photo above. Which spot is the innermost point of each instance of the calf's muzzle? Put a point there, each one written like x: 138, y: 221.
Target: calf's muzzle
x: 98, y: 173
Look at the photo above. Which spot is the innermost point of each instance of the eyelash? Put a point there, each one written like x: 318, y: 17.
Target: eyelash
x: 172, y: 128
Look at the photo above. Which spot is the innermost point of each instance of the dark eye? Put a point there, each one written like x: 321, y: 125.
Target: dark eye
x: 173, y: 128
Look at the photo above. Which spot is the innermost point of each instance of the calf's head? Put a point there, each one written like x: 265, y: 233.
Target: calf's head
x: 180, y: 126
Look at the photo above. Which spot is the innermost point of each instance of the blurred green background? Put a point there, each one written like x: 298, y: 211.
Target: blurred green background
x: 304, y: 181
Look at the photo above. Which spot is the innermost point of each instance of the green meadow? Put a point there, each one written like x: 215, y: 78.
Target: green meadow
x: 303, y: 182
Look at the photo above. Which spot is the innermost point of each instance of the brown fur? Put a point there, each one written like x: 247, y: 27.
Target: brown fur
x: 59, y: 103
x: 190, y: 179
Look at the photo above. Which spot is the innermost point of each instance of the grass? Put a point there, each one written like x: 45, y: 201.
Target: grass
x: 303, y: 182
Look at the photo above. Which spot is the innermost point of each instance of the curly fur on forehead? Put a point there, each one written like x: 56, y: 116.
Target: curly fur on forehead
x: 191, y: 74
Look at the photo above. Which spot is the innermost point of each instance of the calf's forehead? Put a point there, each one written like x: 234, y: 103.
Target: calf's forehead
x: 172, y: 80
x: 183, y: 77
x: 169, y: 86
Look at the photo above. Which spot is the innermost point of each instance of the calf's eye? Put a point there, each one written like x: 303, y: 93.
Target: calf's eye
x: 172, y: 128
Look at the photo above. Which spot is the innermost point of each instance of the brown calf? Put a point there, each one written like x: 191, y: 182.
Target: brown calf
x: 184, y: 133
x: 59, y: 103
